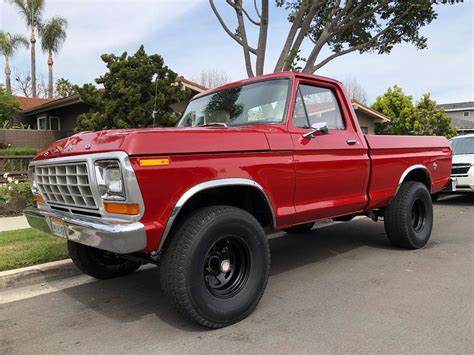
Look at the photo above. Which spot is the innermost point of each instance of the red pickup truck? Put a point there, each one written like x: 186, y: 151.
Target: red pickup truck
x: 275, y: 152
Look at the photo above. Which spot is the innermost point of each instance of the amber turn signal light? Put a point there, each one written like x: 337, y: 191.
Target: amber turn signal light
x: 39, y: 199
x: 122, y: 208
x: 154, y: 162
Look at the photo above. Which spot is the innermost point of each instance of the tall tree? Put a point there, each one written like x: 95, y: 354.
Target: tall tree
x: 340, y: 26
x: 134, y: 87
x: 9, y: 44
x: 211, y: 78
x: 53, y: 35
x: 64, y: 88
x: 409, y: 119
x: 31, y: 10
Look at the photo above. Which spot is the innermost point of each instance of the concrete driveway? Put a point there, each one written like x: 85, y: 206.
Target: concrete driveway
x: 338, y: 289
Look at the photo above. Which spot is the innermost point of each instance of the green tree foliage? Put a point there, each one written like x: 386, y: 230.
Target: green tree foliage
x: 323, y: 30
x: 8, y: 106
x: 128, y: 95
x: 409, y: 119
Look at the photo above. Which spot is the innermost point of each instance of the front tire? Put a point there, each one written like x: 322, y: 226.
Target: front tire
x: 216, y: 266
x: 99, y: 263
x: 409, y: 217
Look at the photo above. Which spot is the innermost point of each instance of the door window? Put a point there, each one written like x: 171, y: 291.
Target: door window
x: 316, y: 104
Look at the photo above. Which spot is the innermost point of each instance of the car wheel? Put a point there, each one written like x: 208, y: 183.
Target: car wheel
x: 99, y: 263
x: 409, y: 217
x: 216, y: 266
x: 301, y: 228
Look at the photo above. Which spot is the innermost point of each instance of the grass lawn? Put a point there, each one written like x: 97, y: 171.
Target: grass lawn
x: 26, y: 247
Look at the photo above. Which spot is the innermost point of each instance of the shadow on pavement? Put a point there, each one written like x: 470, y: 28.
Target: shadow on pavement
x: 466, y: 198
x: 130, y: 298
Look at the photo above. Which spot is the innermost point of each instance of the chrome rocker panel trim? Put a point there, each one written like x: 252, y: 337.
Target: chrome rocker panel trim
x: 206, y: 186
x: 94, y: 232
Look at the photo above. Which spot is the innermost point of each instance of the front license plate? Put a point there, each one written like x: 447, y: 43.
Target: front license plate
x: 57, y: 227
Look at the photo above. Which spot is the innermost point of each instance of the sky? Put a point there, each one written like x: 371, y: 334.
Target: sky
x: 190, y: 39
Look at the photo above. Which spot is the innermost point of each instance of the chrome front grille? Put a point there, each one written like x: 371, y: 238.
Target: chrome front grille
x: 66, y: 184
x: 460, y: 169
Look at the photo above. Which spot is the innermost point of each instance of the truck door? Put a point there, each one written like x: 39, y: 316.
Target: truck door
x: 331, y: 170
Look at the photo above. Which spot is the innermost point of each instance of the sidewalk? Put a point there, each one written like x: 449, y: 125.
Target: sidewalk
x: 12, y: 223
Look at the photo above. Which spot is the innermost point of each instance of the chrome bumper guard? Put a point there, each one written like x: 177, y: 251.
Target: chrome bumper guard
x: 94, y: 232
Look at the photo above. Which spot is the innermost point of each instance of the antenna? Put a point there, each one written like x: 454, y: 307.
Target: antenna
x: 154, y: 112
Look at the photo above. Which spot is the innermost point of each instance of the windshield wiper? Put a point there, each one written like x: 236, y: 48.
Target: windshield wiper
x: 213, y: 124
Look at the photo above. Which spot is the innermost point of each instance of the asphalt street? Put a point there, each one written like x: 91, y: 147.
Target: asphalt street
x: 337, y: 289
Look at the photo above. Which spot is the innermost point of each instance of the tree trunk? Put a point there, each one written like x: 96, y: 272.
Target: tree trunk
x: 33, y: 63
x: 7, y: 76
x: 50, y: 75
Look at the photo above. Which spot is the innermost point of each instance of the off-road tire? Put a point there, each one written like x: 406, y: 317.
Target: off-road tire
x: 185, y: 263
x: 409, y: 217
x: 302, y: 228
x: 99, y: 263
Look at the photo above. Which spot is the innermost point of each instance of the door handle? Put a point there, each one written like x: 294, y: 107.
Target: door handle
x: 351, y: 141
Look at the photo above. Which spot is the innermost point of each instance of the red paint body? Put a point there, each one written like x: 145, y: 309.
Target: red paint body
x: 305, y: 179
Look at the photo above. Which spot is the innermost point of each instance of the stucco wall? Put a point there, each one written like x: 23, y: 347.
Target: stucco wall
x: 365, y: 121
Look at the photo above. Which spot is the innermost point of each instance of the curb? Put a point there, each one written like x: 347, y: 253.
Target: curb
x: 38, y: 273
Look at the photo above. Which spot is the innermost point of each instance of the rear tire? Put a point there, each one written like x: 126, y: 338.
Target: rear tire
x: 216, y: 266
x: 301, y: 228
x: 99, y: 263
x: 409, y: 217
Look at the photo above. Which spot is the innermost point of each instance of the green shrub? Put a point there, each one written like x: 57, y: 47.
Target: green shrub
x: 15, y: 196
x: 19, y: 151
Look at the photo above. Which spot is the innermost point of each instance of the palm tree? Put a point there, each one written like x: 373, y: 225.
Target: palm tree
x: 31, y: 11
x: 53, y: 35
x: 8, y: 46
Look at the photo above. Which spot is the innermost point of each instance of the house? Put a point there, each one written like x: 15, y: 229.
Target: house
x: 462, y: 115
x: 368, y: 117
x: 53, y: 119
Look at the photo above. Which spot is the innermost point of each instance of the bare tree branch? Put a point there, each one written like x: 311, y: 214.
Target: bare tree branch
x: 243, y: 36
x: 226, y: 29
x: 256, y: 8
x: 291, y: 35
x: 256, y: 23
x: 262, y: 38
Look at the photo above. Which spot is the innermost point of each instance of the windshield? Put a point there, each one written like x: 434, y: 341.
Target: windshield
x: 262, y: 102
x: 463, y: 145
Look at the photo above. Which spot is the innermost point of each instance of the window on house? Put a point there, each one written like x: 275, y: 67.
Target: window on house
x: 465, y: 113
x: 315, y: 104
x: 48, y: 123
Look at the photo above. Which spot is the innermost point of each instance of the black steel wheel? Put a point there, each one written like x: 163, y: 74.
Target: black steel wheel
x: 226, y: 267
x: 409, y: 217
x: 215, y: 268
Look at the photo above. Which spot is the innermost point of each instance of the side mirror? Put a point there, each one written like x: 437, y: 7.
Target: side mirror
x: 321, y: 127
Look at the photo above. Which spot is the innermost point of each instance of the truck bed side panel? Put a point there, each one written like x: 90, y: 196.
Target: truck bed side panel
x: 391, y: 156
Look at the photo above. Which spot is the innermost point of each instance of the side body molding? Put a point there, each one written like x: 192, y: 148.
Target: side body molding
x: 412, y: 168
x: 206, y: 186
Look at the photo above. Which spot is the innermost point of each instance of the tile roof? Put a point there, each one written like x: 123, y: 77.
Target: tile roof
x: 27, y: 103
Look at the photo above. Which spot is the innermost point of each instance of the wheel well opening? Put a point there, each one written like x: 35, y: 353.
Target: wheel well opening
x: 247, y: 198
x: 419, y: 175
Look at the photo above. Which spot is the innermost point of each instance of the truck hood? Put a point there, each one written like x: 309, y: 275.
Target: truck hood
x: 160, y: 141
x: 463, y: 159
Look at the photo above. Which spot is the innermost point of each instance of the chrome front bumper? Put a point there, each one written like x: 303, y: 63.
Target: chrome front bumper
x: 94, y: 232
